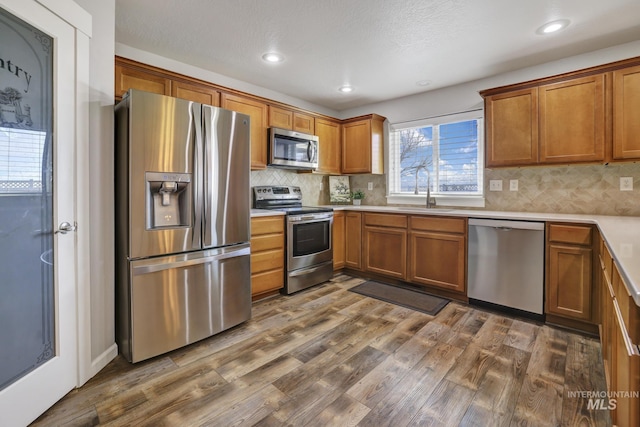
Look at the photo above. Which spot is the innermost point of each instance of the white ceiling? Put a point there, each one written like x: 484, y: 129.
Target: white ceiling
x: 380, y: 47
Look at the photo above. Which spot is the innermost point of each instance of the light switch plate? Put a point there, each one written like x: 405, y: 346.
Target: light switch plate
x: 626, y: 183
x: 513, y: 185
x: 370, y: 186
x: 495, y: 185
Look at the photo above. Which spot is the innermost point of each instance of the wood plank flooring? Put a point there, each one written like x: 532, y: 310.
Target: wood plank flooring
x: 329, y: 357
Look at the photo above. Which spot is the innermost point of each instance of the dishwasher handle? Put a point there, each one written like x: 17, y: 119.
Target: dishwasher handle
x: 506, y: 225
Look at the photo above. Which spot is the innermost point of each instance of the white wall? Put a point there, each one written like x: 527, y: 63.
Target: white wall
x: 101, y: 175
x: 465, y: 97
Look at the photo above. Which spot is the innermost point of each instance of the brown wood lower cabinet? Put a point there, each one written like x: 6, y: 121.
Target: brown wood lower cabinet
x: 619, y: 337
x: 338, y: 239
x: 385, y: 244
x: 353, y: 240
x: 437, y: 252
x: 267, y: 255
x: 569, y: 282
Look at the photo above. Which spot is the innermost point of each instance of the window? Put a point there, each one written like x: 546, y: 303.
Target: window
x: 443, y: 153
x: 21, y: 153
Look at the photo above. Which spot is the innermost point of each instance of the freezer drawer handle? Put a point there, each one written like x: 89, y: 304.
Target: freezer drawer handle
x: 146, y: 269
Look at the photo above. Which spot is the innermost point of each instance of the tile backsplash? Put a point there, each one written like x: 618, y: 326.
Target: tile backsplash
x: 583, y: 189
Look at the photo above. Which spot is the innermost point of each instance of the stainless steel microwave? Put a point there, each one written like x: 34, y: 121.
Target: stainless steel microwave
x: 295, y: 150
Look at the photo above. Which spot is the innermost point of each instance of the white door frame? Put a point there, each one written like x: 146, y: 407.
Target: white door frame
x: 70, y: 26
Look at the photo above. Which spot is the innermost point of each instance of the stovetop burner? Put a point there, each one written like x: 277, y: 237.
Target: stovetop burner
x: 286, y: 199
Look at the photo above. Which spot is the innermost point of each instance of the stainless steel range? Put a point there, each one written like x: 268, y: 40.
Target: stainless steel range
x: 309, y: 258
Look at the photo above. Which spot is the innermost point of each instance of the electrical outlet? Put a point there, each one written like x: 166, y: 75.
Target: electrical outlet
x: 370, y: 186
x: 626, y: 183
x: 495, y: 185
x: 513, y: 185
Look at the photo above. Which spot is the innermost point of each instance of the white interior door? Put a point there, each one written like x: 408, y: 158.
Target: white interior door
x: 37, y: 121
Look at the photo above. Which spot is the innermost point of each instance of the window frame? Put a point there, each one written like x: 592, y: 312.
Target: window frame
x: 456, y: 200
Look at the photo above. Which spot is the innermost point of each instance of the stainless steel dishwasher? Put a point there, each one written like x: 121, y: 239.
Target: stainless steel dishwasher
x: 506, y: 265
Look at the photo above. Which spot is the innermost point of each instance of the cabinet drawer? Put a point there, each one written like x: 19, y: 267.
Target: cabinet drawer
x: 386, y: 220
x: 267, y: 225
x: 575, y: 234
x: 268, y: 260
x: 444, y: 225
x: 266, y: 242
x: 267, y: 281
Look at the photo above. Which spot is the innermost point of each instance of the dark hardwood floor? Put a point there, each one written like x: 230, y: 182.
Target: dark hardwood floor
x: 329, y: 357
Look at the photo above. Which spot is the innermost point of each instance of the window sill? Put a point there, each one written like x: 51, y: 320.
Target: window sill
x: 449, y: 201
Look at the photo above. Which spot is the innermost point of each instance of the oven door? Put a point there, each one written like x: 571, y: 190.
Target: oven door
x: 308, y: 240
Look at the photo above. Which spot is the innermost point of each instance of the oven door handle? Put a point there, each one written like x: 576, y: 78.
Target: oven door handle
x: 309, y: 219
x: 304, y: 271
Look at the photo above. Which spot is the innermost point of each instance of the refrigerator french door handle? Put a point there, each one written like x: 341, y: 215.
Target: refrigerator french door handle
x: 153, y: 268
x: 207, y: 178
x: 196, y: 118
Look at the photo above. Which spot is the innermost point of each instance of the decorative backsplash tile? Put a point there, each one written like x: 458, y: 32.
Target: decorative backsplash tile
x: 584, y: 189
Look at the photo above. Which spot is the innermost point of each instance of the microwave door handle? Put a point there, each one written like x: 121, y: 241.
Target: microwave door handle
x: 309, y: 151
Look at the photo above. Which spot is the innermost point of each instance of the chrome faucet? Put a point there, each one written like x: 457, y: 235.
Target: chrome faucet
x: 431, y: 202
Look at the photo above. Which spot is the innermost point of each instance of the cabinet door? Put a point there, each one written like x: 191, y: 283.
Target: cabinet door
x: 511, y: 121
x: 258, y: 113
x: 356, y: 147
x: 134, y: 78
x: 280, y: 118
x: 338, y: 240
x: 386, y: 251
x: 304, y: 123
x: 196, y: 93
x: 569, y: 285
x: 572, y: 120
x: 626, y: 104
x: 353, y: 240
x: 438, y: 259
x: 328, y: 134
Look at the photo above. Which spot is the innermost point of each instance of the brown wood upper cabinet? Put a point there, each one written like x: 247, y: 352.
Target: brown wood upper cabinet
x: 569, y: 284
x: 258, y: 113
x: 129, y: 76
x: 195, y: 92
x: 626, y: 105
x: 512, y: 128
x: 438, y: 252
x: 585, y: 116
x: 572, y: 120
x: 363, y: 145
x: 556, y: 123
x: 328, y: 133
x: 292, y: 120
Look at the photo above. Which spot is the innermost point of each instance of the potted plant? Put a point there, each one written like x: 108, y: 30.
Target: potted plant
x: 357, y: 197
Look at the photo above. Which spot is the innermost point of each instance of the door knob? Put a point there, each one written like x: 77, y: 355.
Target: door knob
x: 65, y: 227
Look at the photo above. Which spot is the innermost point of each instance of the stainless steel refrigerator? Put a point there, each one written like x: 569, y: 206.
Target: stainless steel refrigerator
x: 182, y: 222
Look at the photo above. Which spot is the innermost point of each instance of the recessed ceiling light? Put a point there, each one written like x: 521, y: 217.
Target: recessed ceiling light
x: 553, y: 27
x: 423, y: 82
x: 272, y: 57
x: 345, y: 89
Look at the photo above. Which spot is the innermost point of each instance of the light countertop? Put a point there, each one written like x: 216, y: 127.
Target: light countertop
x: 621, y: 233
x: 265, y: 212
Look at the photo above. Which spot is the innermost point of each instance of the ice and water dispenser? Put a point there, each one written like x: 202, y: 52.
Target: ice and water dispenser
x: 168, y: 200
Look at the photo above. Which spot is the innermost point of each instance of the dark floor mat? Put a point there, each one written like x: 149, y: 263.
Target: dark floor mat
x: 403, y: 296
